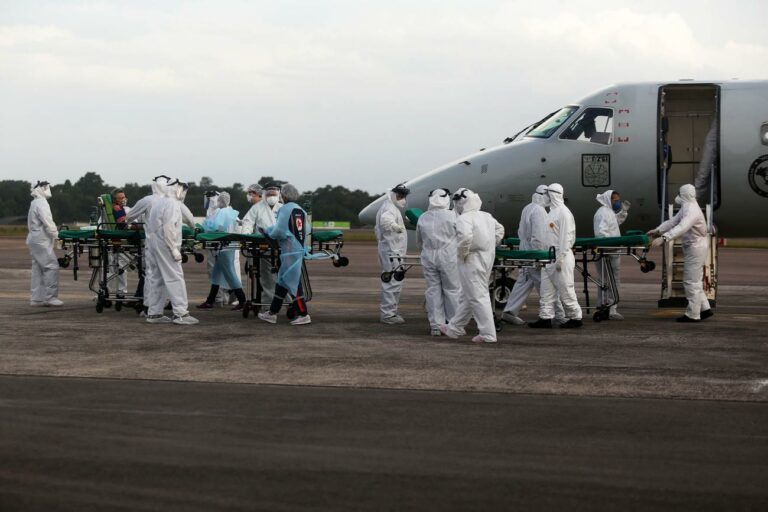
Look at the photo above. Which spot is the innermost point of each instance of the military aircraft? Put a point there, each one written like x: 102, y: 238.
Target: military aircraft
x: 643, y: 140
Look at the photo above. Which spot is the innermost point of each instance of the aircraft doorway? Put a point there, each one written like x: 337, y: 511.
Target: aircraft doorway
x: 689, y: 141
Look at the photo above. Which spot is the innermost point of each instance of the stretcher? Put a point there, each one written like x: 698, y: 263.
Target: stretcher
x: 635, y: 244
x: 509, y: 260
x: 111, y: 252
x: 257, y: 247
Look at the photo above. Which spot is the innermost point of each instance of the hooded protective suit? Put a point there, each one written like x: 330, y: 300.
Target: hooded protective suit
x: 140, y: 213
x: 43, y: 233
x: 478, y: 234
x: 262, y: 216
x: 436, y: 235
x: 390, y: 233
x: 224, y: 273
x: 557, y: 278
x: 163, y: 239
x: 689, y: 225
x: 606, y: 223
x: 532, y: 232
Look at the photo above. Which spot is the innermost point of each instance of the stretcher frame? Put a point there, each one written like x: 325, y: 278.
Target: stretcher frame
x: 594, y: 253
x: 506, y: 262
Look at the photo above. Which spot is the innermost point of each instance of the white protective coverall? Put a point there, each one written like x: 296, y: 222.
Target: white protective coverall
x: 532, y: 232
x: 436, y: 235
x: 478, y: 234
x: 262, y: 215
x: 140, y: 213
x: 606, y: 223
x: 43, y: 233
x: 690, y: 225
x: 164, y: 255
x: 557, y: 278
x: 393, y: 240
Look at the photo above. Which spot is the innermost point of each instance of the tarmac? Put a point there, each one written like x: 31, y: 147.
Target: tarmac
x: 106, y: 412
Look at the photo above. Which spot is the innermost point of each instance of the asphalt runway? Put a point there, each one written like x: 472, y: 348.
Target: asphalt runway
x: 106, y: 412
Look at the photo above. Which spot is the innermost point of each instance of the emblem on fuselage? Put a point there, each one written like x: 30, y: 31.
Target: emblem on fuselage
x: 758, y: 176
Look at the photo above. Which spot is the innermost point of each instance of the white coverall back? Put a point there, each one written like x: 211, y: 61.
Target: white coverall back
x: 40, y: 239
x: 390, y: 233
x: 263, y: 216
x: 167, y: 276
x: 690, y: 225
x: 436, y: 235
x: 478, y: 234
x: 140, y: 213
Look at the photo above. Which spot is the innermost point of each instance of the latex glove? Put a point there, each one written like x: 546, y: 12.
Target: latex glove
x: 176, y: 255
x: 559, y: 265
x: 625, y: 205
x: 398, y: 229
x: 653, y: 232
x: 657, y: 242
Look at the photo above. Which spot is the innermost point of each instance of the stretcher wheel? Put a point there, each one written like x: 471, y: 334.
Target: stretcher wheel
x: 118, y: 305
x: 138, y: 306
x: 64, y: 262
x: 386, y: 277
x: 184, y: 258
x: 199, y: 257
x: 100, y: 304
x: 647, y: 266
x: 107, y: 304
x: 501, y: 290
x: 399, y: 275
x: 246, y: 309
x: 600, y: 315
x: 336, y: 263
x: 343, y: 261
x: 498, y: 324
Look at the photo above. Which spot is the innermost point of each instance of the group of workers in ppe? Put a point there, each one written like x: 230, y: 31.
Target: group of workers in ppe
x: 458, y: 250
x: 162, y: 214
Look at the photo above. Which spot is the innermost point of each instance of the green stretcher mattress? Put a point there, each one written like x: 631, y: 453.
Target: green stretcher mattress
x: 614, y: 241
x: 120, y: 234
x: 326, y: 235
x: 76, y: 234
x: 214, y: 236
x: 509, y: 254
x: 413, y: 214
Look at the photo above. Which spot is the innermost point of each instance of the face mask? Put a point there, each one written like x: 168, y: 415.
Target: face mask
x: 679, y: 201
x: 124, y: 202
x: 401, y: 203
x: 272, y: 200
x: 47, y: 192
x: 617, y: 206
x: 546, y: 201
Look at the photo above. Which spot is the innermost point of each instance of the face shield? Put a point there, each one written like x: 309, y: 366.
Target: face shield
x: 459, y: 198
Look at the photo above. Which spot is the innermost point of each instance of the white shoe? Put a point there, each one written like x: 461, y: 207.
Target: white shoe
x: 615, y: 315
x: 445, y: 332
x: 435, y: 332
x: 393, y: 320
x: 36, y: 303
x: 480, y: 339
x: 512, y: 319
x: 268, y: 317
x: 54, y: 302
x: 158, y: 319
x: 185, y: 320
x: 143, y: 314
x: 301, y: 320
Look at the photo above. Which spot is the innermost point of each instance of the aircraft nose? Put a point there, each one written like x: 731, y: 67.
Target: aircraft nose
x: 368, y: 214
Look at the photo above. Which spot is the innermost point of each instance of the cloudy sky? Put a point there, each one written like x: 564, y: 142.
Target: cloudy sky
x: 357, y: 93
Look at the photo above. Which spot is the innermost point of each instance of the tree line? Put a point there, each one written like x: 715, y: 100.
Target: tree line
x: 75, y: 202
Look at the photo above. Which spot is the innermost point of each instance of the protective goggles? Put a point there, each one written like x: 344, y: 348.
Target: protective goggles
x: 41, y: 184
x: 401, y: 189
x: 460, y: 194
x: 441, y: 192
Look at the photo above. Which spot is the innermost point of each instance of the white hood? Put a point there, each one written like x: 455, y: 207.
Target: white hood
x: 473, y: 203
x: 439, y: 200
x: 687, y: 194
x: 605, y: 198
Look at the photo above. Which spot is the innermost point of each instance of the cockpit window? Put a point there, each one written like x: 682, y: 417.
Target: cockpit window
x: 555, y: 121
x: 593, y: 125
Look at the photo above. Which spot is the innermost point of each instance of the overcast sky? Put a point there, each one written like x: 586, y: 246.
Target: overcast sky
x: 355, y: 93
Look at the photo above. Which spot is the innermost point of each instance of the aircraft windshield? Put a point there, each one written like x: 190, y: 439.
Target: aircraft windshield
x: 554, y: 122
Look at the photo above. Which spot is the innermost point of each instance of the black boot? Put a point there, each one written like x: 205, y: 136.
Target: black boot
x: 685, y: 319
x: 572, y: 324
x: 541, y: 323
x: 706, y: 314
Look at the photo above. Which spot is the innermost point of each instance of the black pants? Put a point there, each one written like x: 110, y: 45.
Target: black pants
x: 215, y: 291
x: 298, y: 304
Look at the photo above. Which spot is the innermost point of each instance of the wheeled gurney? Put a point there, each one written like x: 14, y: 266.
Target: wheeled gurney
x: 635, y: 244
